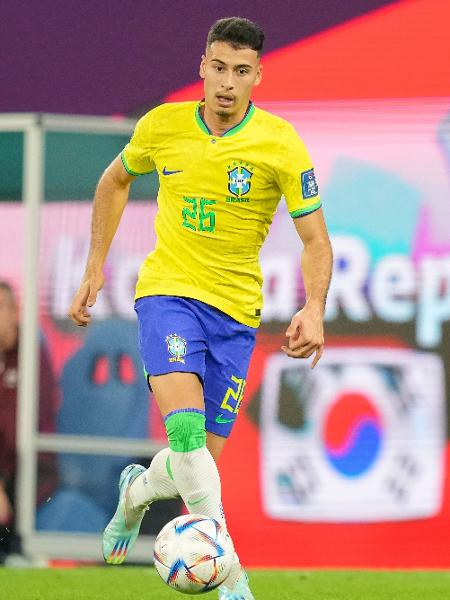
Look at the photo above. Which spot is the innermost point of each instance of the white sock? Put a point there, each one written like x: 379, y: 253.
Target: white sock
x: 234, y: 574
x: 197, y: 474
x: 155, y: 483
x: 198, y: 482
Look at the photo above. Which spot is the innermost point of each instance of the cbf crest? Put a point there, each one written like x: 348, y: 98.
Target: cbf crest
x: 239, y: 178
x: 176, y: 346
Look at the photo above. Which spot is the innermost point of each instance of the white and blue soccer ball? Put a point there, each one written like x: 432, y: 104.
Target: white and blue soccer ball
x: 193, y: 554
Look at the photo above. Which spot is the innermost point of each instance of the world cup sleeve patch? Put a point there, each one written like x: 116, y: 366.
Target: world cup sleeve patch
x: 309, y: 184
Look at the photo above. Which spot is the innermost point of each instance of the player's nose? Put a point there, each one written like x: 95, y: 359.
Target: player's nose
x: 228, y: 82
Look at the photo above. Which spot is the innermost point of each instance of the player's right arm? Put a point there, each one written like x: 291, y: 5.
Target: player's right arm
x: 110, y: 199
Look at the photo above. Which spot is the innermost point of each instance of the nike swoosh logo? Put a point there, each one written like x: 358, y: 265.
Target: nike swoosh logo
x: 166, y: 172
x: 194, y: 502
x: 220, y: 419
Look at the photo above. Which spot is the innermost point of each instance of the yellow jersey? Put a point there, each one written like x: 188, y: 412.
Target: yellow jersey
x: 216, y: 201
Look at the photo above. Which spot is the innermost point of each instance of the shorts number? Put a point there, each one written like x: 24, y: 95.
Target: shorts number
x: 235, y: 394
x: 199, y: 220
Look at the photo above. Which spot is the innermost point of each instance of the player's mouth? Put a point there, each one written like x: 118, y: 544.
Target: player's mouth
x: 225, y: 100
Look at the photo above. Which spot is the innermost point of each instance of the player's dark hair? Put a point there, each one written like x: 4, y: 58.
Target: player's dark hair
x: 238, y: 32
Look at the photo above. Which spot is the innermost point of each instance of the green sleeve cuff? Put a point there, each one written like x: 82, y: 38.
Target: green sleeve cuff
x: 127, y: 168
x: 302, y: 212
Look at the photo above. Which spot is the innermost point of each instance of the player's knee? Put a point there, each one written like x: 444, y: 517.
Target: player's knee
x: 186, y: 430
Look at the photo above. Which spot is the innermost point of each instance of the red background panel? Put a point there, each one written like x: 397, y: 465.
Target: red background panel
x: 266, y: 542
x: 398, y: 51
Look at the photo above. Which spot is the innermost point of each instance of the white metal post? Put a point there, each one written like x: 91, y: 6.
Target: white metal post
x: 29, y: 441
x: 28, y: 397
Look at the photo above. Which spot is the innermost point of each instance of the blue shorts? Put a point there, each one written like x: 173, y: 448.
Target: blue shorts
x: 182, y: 334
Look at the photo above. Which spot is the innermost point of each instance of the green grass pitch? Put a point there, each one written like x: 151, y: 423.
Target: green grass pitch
x: 137, y: 583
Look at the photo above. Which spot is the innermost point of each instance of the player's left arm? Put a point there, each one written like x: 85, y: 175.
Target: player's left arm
x: 305, y: 332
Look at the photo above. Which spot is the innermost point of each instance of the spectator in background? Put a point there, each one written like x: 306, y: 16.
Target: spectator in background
x: 9, y: 350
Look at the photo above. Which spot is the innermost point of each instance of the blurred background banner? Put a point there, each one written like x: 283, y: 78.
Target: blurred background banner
x: 110, y: 57
x: 361, y: 440
x: 346, y: 465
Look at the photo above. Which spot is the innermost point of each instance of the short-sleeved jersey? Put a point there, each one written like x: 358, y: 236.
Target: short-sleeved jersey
x: 216, y: 200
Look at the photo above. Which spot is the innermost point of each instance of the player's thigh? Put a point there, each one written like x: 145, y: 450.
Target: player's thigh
x: 227, y: 362
x: 174, y: 391
x: 172, y: 344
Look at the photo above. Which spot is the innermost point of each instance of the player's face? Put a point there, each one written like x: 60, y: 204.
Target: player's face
x: 229, y: 76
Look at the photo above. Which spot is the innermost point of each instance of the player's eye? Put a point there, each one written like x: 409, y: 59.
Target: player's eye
x: 243, y: 71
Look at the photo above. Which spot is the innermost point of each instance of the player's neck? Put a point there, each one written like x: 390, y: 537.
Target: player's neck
x: 218, y: 124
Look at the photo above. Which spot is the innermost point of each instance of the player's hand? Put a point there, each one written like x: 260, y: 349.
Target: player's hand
x: 305, y: 335
x: 85, y: 297
x: 6, y: 511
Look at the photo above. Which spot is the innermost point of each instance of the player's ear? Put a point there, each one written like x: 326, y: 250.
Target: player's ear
x: 259, y: 74
x: 202, y: 67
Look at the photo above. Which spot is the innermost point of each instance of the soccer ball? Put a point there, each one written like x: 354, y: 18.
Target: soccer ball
x: 193, y: 554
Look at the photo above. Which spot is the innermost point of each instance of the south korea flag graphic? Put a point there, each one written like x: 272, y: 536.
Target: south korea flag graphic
x: 360, y: 438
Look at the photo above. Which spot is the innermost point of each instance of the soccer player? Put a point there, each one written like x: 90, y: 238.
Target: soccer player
x: 223, y: 165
